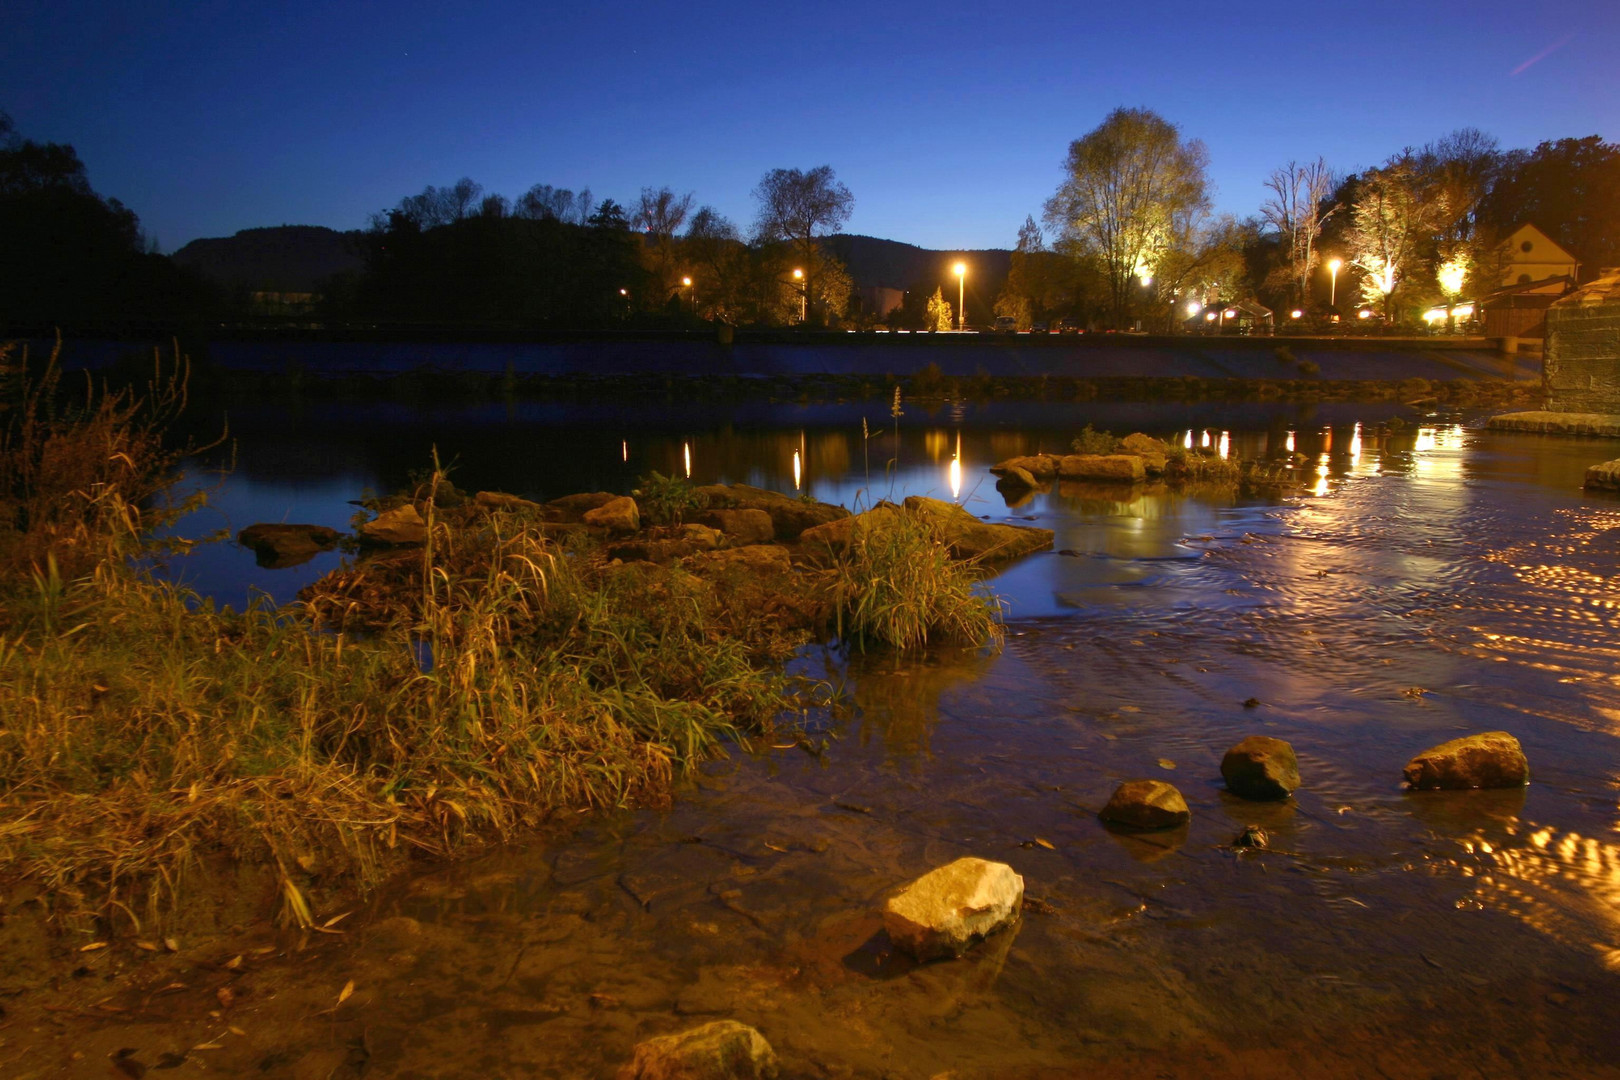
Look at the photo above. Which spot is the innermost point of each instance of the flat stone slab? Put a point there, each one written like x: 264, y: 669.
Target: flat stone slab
x: 1604, y: 425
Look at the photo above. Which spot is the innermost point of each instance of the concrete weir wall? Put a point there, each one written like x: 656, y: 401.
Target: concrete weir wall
x: 1581, y: 372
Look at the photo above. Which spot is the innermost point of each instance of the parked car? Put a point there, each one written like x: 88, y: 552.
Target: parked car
x: 1037, y: 328
x: 1006, y: 324
x: 1071, y: 326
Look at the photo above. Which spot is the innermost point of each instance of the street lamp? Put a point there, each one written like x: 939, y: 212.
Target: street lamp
x: 1333, y: 281
x: 961, y: 309
x: 686, y: 283
x: 804, y: 294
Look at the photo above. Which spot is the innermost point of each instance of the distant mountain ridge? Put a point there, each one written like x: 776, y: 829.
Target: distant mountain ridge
x: 278, y: 258
x: 300, y: 258
x: 877, y: 263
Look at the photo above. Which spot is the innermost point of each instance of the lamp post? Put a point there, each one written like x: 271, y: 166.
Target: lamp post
x: 686, y: 283
x: 961, y: 291
x: 1333, y: 281
x: 804, y: 294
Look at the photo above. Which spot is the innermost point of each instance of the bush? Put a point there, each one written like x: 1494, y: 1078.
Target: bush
x: 1095, y: 442
x: 896, y: 586
x: 664, y: 500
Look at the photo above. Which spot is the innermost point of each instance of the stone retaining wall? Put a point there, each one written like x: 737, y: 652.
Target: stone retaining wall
x: 1581, y: 373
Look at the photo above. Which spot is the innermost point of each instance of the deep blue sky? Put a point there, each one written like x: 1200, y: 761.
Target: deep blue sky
x: 948, y: 122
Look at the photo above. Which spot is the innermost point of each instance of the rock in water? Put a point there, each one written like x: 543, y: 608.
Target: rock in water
x: 278, y: 545
x: 1604, y: 477
x: 1126, y: 468
x: 1490, y: 760
x: 1261, y: 767
x: 1146, y: 804
x: 948, y: 909
x: 401, y: 525
x: 1014, y: 478
x: 723, y: 1050
x: 619, y: 515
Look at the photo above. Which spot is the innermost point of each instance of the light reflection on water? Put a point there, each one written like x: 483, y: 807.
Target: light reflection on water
x: 1436, y: 580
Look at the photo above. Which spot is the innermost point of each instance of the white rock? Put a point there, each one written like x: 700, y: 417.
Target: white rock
x: 948, y: 909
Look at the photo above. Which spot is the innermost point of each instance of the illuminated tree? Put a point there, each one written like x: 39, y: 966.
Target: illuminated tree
x: 1130, y: 187
x: 1391, y: 222
x: 939, y: 312
x: 796, y: 207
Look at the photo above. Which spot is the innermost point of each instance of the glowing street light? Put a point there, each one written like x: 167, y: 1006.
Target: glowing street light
x: 804, y: 294
x: 1333, y: 281
x: 961, y: 291
x: 686, y: 283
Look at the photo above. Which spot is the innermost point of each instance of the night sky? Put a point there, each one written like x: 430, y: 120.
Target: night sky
x: 948, y: 122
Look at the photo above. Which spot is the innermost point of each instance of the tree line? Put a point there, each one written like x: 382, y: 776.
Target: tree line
x: 1135, y: 240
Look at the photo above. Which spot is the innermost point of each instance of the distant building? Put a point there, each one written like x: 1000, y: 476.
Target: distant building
x: 1530, y: 255
x: 1520, y: 310
x: 1236, y: 317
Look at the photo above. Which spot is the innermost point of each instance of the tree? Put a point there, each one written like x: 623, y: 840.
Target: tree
x: 1297, y: 210
x: 1570, y: 189
x: 1390, y: 223
x: 797, y: 207
x: 939, y: 312
x: 1130, y: 186
x: 543, y: 202
x: 660, y: 214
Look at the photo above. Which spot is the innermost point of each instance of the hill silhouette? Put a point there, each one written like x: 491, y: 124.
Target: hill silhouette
x: 281, y: 258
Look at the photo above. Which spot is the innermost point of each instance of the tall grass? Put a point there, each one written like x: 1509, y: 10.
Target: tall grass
x: 896, y: 586
x: 144, y: 734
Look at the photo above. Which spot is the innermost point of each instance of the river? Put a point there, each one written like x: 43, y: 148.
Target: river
x: 1435, y: 579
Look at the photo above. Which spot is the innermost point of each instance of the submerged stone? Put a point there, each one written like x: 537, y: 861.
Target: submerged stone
x: 946, y: 910
x: 970, y: 538
x: 1261, y: 767
x: 278, y: 545
x: 722, y: 1050
x: 1015, y: 478
x: 1493, y: 759
x: 1146, y: 804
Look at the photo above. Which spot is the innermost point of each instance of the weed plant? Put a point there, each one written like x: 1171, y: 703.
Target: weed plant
x: 1094, y: 442
x: 896, y: 586
x: 144, y: 733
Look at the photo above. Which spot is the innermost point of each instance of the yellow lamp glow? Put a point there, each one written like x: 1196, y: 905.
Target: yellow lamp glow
x: 1452, y: 273
x: 686, y: 281
x: 797, y: 273
x: 1296, y: 314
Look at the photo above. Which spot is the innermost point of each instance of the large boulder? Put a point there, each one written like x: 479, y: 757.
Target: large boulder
x: 500, y: 500
x: 1146, y: 804
x: 965, y: 535
x: 1155, y: 453
x: 393, y: 528
x: 1493, y: 759
x: 948, y: 909
x: 276, y: 545
x: 619, y: 515
x: 970, y: 538
x: 1604, y: 476
x: 1041, y: 467
x: 1124, y: 468
x: 1014, y: 479
x: 1261, y: 767
x: 790, y: 516
x: 575, y: 507
x: 741, y: 527
x: 722, y: 1050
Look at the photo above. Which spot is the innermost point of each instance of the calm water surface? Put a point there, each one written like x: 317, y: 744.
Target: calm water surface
x: 1437, y: 580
